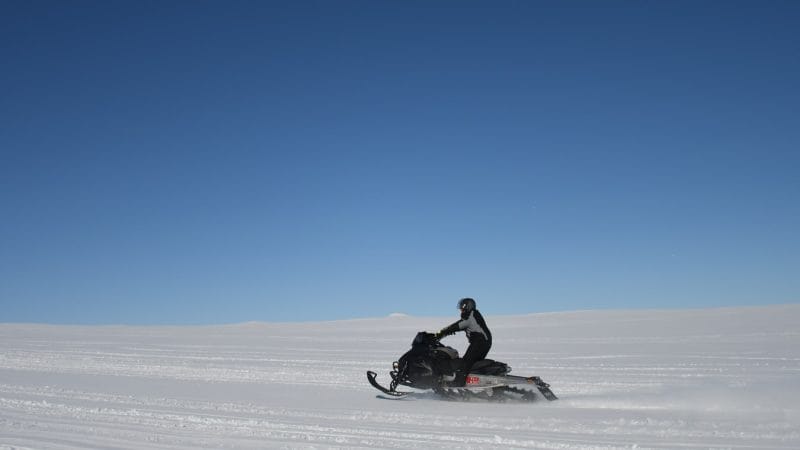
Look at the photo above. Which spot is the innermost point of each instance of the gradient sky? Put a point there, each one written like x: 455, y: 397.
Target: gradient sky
x: 214, y: 162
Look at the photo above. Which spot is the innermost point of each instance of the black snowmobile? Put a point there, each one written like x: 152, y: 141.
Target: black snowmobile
x: 431, y: 365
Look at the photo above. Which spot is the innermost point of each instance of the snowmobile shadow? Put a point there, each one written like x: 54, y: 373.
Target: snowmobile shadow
x: 506, y: 395
x: 411, y: 396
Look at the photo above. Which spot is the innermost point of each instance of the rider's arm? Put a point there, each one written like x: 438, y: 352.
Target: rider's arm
x: 450, y: 329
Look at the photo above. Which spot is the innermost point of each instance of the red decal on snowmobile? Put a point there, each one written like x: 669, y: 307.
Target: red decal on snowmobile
x: 473, y: 380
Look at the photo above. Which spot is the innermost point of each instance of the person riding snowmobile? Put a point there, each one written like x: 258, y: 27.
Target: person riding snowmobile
x: 478, y: 334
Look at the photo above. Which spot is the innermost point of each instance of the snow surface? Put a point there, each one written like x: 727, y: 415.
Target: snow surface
x: 712, y: 378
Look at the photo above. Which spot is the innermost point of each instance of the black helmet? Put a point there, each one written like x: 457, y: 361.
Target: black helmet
x: 466, y: 304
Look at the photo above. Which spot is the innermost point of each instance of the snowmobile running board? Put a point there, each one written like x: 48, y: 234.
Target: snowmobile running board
x: 514, y: 384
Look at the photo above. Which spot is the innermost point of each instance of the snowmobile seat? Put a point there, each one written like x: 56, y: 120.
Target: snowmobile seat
x: 490, y: 367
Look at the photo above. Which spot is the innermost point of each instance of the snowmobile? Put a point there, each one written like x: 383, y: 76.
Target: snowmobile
x: 432, y: 365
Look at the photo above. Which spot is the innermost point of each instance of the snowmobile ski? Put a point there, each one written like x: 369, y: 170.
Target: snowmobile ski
x: 396, y: 394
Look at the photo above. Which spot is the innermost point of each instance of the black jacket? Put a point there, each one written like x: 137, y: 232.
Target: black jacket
x: 473, y: 324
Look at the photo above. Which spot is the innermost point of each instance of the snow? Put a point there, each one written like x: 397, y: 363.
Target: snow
x: 710, y: 378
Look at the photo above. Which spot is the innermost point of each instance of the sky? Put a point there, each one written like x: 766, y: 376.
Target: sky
x: 196, y: 162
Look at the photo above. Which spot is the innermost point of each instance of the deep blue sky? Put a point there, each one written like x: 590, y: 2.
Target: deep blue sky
x: 207, y: 162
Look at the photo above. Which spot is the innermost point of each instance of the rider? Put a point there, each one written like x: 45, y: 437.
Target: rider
x: 478, y: 334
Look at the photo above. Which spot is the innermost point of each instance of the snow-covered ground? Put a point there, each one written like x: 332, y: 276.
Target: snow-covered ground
x: 713, y: 378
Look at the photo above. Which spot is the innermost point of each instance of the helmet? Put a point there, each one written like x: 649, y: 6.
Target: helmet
x: 466, y: 304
